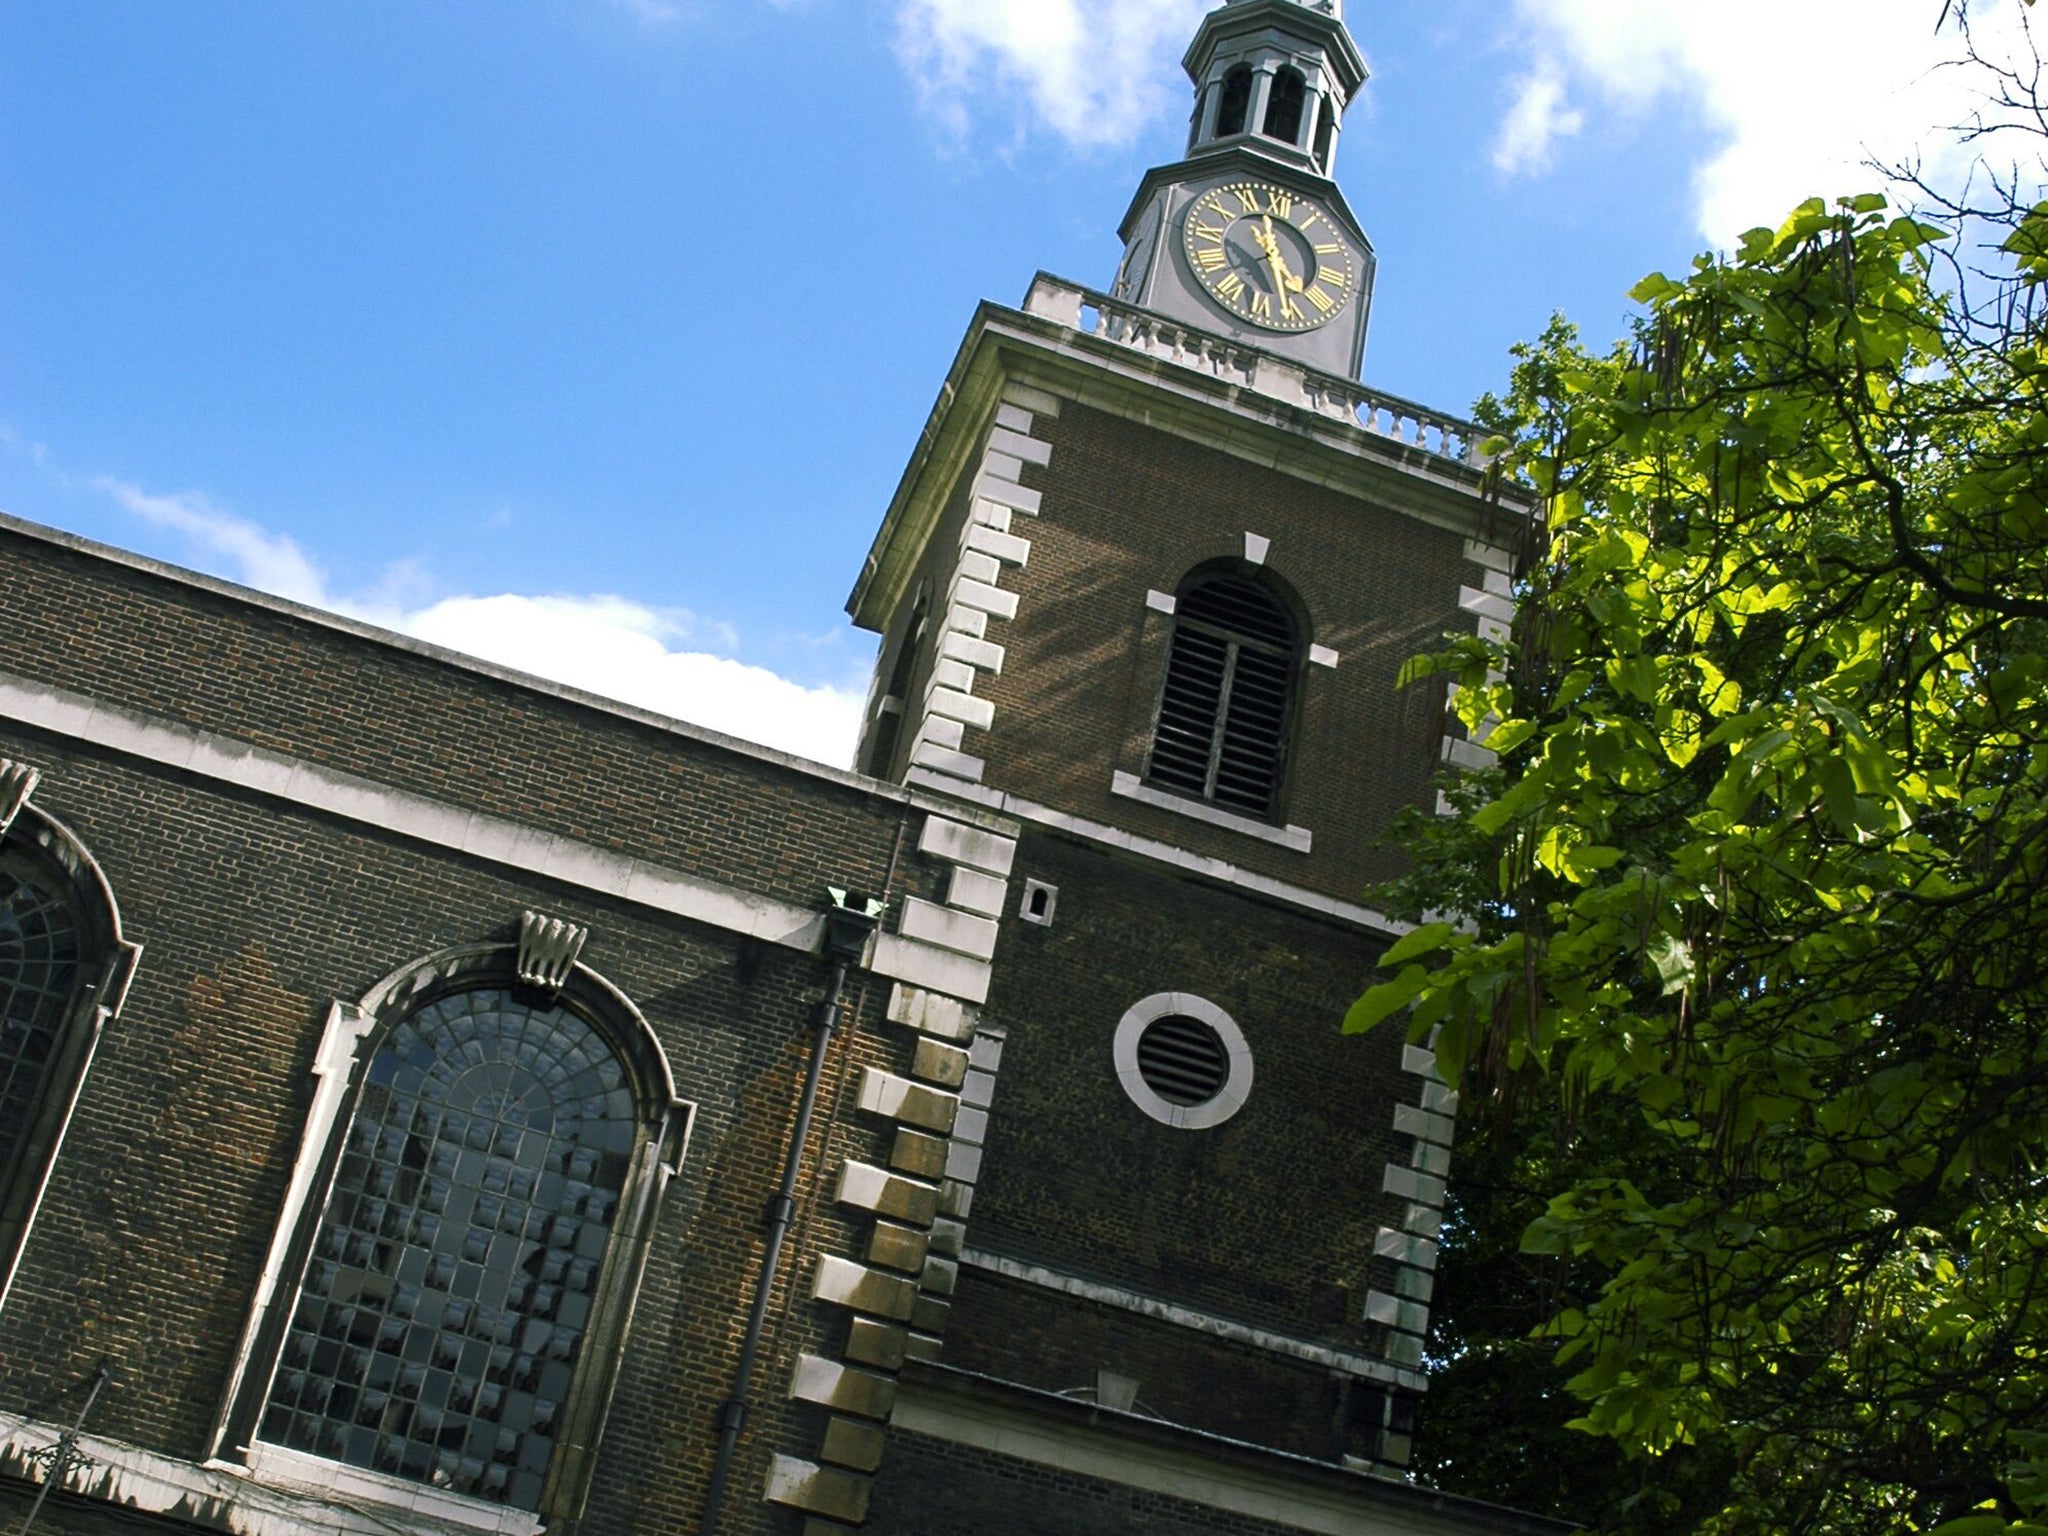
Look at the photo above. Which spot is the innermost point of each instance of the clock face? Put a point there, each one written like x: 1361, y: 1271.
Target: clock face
x: 1268, y: 256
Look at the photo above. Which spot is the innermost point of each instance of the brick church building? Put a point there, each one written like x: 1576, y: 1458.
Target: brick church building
x: 435, y: 1101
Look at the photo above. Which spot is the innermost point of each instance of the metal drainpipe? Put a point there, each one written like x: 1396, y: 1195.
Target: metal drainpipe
x: 847, y: 926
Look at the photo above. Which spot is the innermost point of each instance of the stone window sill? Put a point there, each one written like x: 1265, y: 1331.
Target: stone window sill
x: 295, y: 1472
x: 1127, y: 785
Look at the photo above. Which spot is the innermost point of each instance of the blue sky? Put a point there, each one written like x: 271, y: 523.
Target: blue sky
x: 592, y: 335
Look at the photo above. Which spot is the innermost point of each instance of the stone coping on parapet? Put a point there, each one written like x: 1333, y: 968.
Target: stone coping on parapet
x: 1084, y: 1439
x: 372, y: 634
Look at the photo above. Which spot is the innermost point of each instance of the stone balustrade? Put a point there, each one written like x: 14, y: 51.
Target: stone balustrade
x: 1389, y: 416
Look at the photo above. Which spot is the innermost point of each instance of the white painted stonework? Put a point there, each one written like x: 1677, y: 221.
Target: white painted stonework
x: 286, y: 1495
x: 975, y: 596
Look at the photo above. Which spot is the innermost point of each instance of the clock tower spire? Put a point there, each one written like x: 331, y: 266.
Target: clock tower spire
x: 1248, y: 234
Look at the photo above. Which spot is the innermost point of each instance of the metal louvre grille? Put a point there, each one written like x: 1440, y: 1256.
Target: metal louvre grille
x: 1183, y: 1060
x: 1223, y: 711
x: 38, y: 971
x: 445, y: 1303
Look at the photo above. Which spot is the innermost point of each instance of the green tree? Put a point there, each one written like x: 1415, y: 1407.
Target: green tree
x: 1752, y: 919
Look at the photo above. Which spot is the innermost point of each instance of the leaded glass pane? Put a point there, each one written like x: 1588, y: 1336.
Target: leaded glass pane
x: 452, y: 1277
x: 38, y: 972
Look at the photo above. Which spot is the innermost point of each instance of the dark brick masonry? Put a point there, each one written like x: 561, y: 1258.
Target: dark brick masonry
x: 255, y: 916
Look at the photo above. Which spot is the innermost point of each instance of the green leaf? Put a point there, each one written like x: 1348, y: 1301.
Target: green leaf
x: 1385, y: 1000
x: 1671, y: 961
x: 1838, y: 789
x: 1424, y: 939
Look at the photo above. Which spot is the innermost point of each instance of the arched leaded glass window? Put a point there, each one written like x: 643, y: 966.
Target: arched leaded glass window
x: 64, y: 971
x: 40, y: 955
x: 454, y: 1270
x: 1224, y: 706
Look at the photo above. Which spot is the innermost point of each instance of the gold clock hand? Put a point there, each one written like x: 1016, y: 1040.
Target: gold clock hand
x: 1283, y: 279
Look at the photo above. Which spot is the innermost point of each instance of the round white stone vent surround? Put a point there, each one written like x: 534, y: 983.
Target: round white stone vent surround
x: 1236, y: 1085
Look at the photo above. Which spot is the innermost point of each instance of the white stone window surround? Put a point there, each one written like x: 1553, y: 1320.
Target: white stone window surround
x: 337, y: 1065
x: 1237, y: 1084
x: 1130, y: 787
x: 292, y: 1471
x: 1039, y: 904
x: 108, y: 964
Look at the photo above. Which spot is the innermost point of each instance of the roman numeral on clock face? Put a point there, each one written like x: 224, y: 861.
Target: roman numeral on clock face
x: 1210, y: 258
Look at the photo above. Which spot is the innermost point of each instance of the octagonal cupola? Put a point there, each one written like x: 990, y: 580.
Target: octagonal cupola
x: 1247, y: 235
x: 1273, y: 76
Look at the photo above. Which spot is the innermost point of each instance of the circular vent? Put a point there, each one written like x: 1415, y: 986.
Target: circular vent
x: 1183, y: 1060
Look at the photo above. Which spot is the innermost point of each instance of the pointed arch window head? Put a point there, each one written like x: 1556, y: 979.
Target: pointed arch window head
x: 1237, y: 102
x: 1227, y: 699
x: 1284, y: 107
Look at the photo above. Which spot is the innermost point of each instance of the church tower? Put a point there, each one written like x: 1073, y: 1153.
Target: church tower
x: 1146, y: 588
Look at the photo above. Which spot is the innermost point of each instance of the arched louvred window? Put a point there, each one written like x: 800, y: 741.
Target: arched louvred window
x: 1237, y: 101
x: 1283, y: 107
x: 1225, y: 704
x: 454, y: 1271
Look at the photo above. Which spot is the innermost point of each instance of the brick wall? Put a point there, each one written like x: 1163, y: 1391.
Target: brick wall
x: 253, y: 920
x: 1268, y: 1220
x: 216, y: 662
x: 1265, y: 1218
x: 255, y: 915
x: 1017, y: 1332
x: 932, y: 1488
x: 1128, y: 508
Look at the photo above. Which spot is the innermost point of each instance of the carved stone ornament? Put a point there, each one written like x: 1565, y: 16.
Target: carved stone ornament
x: 17, y: 783
x: 548, y: 948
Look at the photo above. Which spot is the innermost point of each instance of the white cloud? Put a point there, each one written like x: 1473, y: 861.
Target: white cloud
x: 1537, y: 120
x: 1799, y: 94
x: 604, y: 644
x: 270, y: 561
x: 1093, y: 71
x: 622, y: 649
